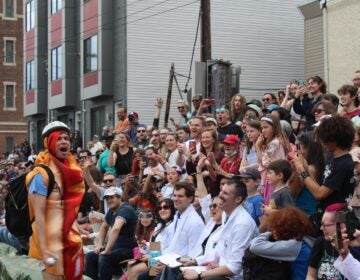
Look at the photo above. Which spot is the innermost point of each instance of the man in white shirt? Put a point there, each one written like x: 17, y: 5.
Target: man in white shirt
x: 186, y: 227
x: 238, y: 230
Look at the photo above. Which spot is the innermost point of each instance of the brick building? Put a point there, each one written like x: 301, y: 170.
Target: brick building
x: 13, y: 128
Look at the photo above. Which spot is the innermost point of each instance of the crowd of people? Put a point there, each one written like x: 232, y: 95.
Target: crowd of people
x: 254, y: 189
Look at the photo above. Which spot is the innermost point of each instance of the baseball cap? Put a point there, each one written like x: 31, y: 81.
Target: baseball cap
x: 231, y: 139
x: 272, y: 107
x: 211, y: 120
x: 113, y: 191
x: 251, y: 173
x: 254, y: 107
x: 134, y: 114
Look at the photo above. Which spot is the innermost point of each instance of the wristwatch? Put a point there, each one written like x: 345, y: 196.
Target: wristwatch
x: 303, y: 175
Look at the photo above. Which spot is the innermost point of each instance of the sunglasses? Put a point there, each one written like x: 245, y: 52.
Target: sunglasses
x: 164, y: 207
x: 318, y: 111
x: 141, y: 131
x: 108, y: 181
x: 146, y: 216
x: 181, y: 107
x: 214, y: 205
x: 266, y: 99
x: 220, y: 110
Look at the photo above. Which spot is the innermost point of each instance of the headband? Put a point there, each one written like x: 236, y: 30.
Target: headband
x: 267, y: 119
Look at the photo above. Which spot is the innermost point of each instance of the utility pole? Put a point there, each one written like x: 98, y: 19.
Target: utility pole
x: 205, y: 31
x: 168, y: 98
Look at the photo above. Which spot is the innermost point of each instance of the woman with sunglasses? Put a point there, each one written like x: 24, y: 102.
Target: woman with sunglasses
x: 164, y: 217
x: 184, y: 112
x: 321, y: 110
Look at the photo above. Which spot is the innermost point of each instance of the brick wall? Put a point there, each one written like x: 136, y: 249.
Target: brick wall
x: 12, y: 122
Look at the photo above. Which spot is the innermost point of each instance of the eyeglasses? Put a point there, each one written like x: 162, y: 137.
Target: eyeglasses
x: 327, y: 225
x: 266, y: 99
x: 108, y: 181
x: 318, y: 111
x: 181, y: 107
x: 220, y: 110
x: 164, y: 207
x: 214, y: 205
x: 141, y: 131
x: 146, y: 216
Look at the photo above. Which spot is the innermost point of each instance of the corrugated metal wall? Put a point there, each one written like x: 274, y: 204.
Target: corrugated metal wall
x: 264, y: 37
x: 314, y: 47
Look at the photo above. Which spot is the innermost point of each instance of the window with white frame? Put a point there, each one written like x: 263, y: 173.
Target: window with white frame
x: 56, y: 69
x: 30, y: 75
x: 9, y: 50
x: 9, y: 8
x: 30, y: 15
x: 9, y: 96
x: 90, y: 54
x: 55, y: 6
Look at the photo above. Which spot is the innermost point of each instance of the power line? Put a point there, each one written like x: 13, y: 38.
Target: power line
x: 193, y: 52
x: 117, y: 19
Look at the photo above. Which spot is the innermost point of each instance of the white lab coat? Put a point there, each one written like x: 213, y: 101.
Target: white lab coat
x: 187, y: 232
x: 236, y: 235
x: 209, y: 253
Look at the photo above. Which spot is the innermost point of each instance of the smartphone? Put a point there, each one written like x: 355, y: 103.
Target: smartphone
x: 338, y: 238
x: 209, y: 101
x: 145, y: 159
x: 301, y: 83
x: 192, y: 146
x: 297, y: 147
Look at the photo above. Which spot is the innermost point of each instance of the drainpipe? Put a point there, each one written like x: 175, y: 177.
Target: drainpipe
x: 323, y: 6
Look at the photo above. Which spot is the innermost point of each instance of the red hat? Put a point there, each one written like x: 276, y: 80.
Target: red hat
x: 231, y: 139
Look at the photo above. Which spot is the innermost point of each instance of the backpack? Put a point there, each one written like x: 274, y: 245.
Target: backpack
x: 17, y: 215
x: 259, y: 268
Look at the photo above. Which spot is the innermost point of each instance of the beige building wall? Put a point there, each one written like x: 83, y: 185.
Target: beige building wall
x: 343, y: 41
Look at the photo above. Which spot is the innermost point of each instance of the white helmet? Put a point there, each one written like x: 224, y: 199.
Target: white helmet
x: 56, y: 125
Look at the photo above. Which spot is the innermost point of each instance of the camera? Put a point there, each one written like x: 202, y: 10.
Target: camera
x: 131, y: 117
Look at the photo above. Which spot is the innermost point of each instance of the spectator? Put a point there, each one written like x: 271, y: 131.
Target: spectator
x: 356, y: 79
x: 183, y: 134
x: 349, y: 101
x: 238, y: 230
x: 304, y: 104
x: 173, y: 177
x: 337, y: 135
x: 76, y: 141
x: 321, y: 111
x: 119, y: 224
x: 141, y: 140
x: 196, y: 101
x: 225, y: 126
x: 252, y: 178
x: 271, y: 145
x: 333, y: 99
x: 285, y: 247
x: 123, y: 124
x: 279, y: 172
x: 84, y: 156
x: 162, y: 234
x: 134, y: 124
x: 249, y: 156
x: 184, y: 112
x: 172, y: 152
x: 121, y: 155
x: 268, y: 99
x: 237, y: 108
x: 323, y: 255
x: 102, y: 163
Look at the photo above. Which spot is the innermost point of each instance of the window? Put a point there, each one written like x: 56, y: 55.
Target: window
x: 9, y: 144
x: 9, y: 98
x: 90, y: 54
x: 56, y: 69
x: 30, y: 15
x: 30, y: 75
x: 9, y: 9
x: 9, y: 51
x: 55, y: 6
